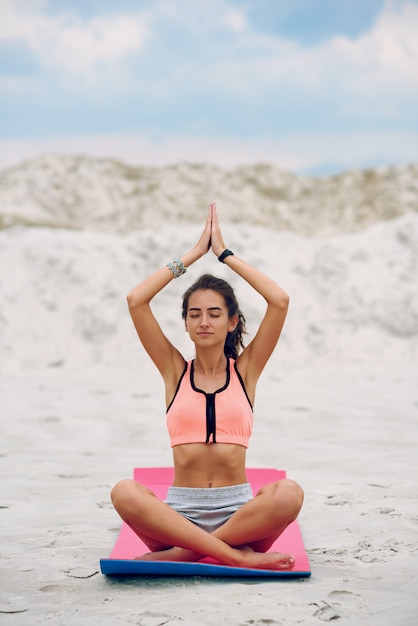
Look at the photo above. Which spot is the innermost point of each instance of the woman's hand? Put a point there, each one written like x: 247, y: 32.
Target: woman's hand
x: 204, y: 243
x: 217, y: 241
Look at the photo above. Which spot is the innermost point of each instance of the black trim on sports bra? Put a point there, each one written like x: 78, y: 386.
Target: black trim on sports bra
x: 178, y: 386
x: 242, y: 384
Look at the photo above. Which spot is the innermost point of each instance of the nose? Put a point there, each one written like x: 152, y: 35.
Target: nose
x: 204, y: 321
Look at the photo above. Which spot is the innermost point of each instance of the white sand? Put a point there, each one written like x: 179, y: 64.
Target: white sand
x: 337, y: 408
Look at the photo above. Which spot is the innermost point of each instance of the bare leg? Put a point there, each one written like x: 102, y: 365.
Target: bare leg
x: 262, y: 520
x: 256, y: 525
x: 165, y: 530
x: 155, y: 521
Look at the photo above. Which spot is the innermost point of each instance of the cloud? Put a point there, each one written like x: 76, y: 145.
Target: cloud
x: 385, y: 57
x: 215, y: 41
x: 377, y: 61
x: 68, y: 43
x: 80, y: 47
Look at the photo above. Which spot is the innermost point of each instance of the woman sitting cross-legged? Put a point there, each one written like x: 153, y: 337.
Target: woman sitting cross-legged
x: 210, y: 510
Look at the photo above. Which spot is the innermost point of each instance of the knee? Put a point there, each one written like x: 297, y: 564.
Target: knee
x: 122, y: 493
x: 294, y: 496
x: 289, y: 498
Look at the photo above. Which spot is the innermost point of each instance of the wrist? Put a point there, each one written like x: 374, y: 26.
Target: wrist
x: 226, y: 253
x: 192, y: 256
x: 177, y: 267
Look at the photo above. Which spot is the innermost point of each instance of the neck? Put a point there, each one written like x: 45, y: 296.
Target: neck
x: 210, y: 364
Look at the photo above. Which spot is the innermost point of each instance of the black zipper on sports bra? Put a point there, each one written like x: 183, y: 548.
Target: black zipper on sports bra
x: 210, y: 417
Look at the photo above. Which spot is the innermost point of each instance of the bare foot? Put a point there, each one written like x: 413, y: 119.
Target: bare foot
x: 246, y: 558
x: 266, y: 560
x: 171, y: 554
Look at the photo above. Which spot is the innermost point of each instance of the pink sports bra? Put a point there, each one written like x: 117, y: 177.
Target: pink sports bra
x: 225, y: 416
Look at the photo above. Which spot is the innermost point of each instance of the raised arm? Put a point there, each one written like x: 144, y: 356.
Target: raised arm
x: 253, y: 359
x: 166, y: 357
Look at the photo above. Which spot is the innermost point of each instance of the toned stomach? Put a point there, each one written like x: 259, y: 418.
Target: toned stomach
x: 209, y: 465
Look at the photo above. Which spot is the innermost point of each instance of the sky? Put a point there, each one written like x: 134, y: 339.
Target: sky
x: 312, y: 86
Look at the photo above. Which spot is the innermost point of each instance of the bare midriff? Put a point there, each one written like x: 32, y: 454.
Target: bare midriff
x: 205, y: 465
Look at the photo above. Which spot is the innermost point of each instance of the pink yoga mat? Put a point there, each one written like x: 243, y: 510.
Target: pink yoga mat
x: 128, y: 545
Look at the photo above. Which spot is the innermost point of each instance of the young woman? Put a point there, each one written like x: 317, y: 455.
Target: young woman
x: 210, y: 510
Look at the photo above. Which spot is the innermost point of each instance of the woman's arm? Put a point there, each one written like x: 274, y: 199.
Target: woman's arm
x: 165, y: 356
x: 253, y: 359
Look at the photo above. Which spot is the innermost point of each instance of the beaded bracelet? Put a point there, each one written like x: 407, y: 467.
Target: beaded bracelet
x: 177, y: 268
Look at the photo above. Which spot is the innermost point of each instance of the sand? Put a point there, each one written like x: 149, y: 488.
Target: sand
x: 336, y: 407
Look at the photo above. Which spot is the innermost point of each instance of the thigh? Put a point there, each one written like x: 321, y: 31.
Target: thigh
x: 135, y: 502
x: 258, y: 523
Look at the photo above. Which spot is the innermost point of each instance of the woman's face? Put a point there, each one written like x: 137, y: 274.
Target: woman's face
x: 207, y: 320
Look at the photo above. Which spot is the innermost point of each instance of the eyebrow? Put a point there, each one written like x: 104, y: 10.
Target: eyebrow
x: 211, y: 308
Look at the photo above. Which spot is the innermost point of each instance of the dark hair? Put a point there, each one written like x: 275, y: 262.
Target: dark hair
x: 234, y: 341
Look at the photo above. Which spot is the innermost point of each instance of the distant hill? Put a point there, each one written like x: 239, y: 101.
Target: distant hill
x: 107, y: 196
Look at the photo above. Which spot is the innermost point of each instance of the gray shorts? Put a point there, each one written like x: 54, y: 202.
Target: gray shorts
x: 211, y: 507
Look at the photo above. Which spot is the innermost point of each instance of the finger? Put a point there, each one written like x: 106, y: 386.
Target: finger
x: 212, y: 208
x: 215, y: 217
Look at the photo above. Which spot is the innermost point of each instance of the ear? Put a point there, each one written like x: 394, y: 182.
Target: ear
x: 233, y: 321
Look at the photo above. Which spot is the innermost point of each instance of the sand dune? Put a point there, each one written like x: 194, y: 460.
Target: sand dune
x: 62, y: 294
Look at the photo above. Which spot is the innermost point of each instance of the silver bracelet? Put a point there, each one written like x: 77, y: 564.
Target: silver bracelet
x: 176, y: 266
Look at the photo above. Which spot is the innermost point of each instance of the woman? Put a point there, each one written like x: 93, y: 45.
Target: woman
x: 210, y: 510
